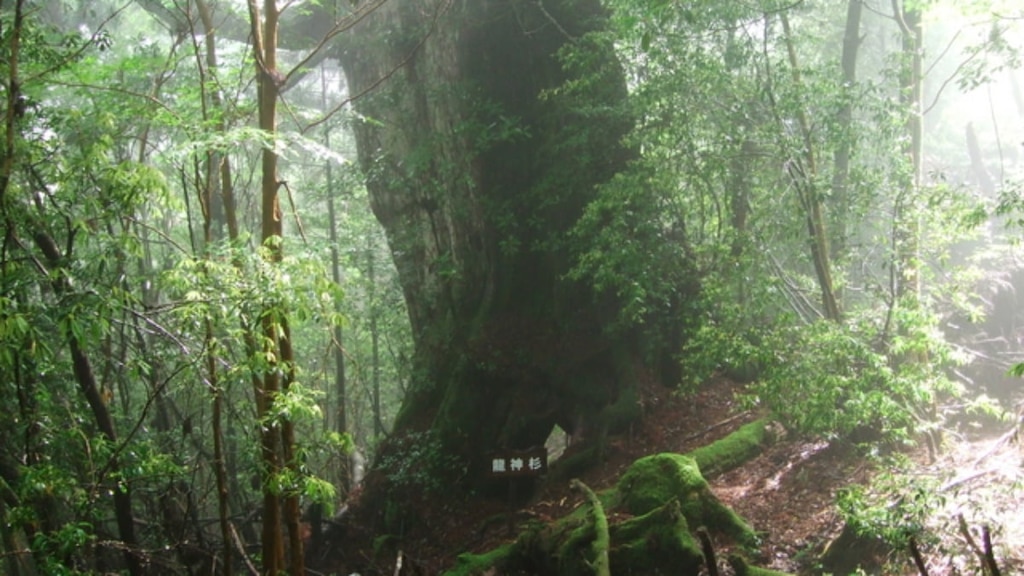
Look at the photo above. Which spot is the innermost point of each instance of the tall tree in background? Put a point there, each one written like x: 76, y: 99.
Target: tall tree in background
x: 844, y: 148
x: 802, y: 168
x: 911, y: 85
x: 906, y: 273
x: 340, y: 410
x: 217, y: 191
x: 280, y: 500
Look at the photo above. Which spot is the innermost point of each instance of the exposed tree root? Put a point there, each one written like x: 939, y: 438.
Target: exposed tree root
x: 742, y: 568
x: 984, y: 553
x: 601, y: 539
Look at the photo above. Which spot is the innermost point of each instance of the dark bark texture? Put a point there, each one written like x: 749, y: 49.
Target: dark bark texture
x: 478, y: 165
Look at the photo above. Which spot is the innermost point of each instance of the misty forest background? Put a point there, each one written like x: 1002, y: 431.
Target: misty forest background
x: 249, y: 247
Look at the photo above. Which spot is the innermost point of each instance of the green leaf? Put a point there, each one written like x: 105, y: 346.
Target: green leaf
x: 1017, y: 370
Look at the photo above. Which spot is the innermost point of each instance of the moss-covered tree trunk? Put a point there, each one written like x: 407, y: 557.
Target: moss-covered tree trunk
x: 477, y: 171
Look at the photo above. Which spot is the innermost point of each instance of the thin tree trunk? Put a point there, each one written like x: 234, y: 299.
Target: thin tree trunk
x: 907, y: 217
x: 739, y: 197
x: 1018, y: 94
x: 292, y: 508
x: 12, y: 116
x: 804, y: 175
x: 26, y: 394
x: 978, y: 168
x: 219, y: 460
x: 269, y: 384
x: 86, y: 379
x: 341, y: 394
x: 841, y: 156
x: 739, y: 210
x: 907, y: 220
x: 371, y: 275
x: 216, y: 161
x: 227, y: 191
x: 14, y: 536
x: 19, y: 557
x: 340, y: 384
x: 277, y: 439
x: 218, y: 169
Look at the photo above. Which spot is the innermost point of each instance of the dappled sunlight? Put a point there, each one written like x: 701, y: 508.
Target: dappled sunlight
x: 982, y: 481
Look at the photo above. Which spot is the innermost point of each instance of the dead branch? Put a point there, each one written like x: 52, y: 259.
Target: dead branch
x: 918, y: 559
x: 240, y: 547
x: 966, y: 533
x: 709, y: 551
x: 963, y: 479
x: 1005, y: 438
x: 990, y: 559
x: 716, y: 426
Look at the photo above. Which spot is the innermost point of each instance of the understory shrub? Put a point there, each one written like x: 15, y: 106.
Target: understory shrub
x: 836, y: 381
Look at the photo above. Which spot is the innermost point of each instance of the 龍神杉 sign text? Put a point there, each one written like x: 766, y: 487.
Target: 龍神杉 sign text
x: 518, y: 462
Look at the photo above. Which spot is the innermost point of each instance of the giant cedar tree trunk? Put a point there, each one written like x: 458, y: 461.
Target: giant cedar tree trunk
x: 477, y: 177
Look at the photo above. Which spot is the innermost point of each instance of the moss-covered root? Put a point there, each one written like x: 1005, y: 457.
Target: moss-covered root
x: 658, y: 542
x: 735, y: 449
x: 479, y: 564
x: 601, y: 540
x: 742, y: 568
x: 654, y: 480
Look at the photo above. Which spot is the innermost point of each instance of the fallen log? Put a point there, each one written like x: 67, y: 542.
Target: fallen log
x: 732, y: 451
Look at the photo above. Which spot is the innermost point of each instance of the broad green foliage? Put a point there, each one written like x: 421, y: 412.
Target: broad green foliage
x: 894, y: 509
x: 719, y: 346
x: 67, y: 209
x: 627, y: 249
x: 1011, y: 207
x: 103, y: 219
x: 711, y: 195
x: 420, y: 465
x: 827, y: 380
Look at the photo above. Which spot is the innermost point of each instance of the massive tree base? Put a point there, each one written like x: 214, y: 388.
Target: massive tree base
x: 485, y: 131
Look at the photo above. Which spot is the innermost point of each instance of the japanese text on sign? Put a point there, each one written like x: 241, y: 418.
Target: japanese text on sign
x: 519, y: 463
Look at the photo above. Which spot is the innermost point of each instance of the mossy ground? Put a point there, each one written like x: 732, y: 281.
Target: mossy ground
x: 762, y: 490
x: 651, y: 512
x: 471, y: 564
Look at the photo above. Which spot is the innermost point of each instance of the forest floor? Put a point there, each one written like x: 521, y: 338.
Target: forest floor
x: 788, y: 493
